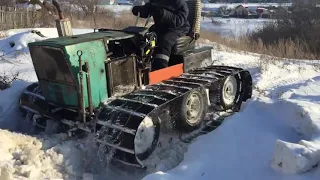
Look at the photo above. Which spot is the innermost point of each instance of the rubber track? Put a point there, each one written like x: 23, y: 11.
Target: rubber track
x: 120, y: 118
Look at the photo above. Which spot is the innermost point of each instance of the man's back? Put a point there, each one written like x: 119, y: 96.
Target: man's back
x: 173, y: 17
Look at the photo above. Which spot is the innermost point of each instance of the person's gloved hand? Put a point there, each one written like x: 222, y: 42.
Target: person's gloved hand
x: 136, y: 10
x: 144, y: 10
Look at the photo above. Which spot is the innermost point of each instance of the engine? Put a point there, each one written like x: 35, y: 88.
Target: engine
x: 87, y: 69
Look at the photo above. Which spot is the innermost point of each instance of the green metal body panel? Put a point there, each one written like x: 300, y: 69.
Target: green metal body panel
x: 76, y: 39
x: 93, y: 53
x: 56, y: 63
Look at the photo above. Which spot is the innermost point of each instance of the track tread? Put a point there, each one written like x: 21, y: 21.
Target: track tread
x: 127, y: 112
x: 178, y: 86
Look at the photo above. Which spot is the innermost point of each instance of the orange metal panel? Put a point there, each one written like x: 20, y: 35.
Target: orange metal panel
x: 166, y: 73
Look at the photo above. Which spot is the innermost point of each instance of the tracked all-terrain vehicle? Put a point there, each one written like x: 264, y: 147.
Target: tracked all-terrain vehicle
x: 101, y: 83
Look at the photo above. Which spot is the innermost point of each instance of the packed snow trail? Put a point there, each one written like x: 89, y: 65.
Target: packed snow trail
x: 284, y: 109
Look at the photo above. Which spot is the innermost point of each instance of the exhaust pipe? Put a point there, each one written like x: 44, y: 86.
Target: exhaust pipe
x: 63, y: 24
x: 57, y: 5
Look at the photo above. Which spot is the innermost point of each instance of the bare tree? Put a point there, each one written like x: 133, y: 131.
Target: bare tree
x: 89, y: 7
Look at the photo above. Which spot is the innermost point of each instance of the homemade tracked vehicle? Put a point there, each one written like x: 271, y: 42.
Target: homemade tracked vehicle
x: 100, y: 83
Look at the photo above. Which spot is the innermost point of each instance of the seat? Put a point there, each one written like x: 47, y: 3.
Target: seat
x: 187, y: 42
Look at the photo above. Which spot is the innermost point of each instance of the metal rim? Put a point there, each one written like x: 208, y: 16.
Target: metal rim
x: 144, y: 136
x: 229, y: 90
x: 193, y: 108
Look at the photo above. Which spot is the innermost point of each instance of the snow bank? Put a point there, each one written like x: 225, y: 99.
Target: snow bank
x: 23, y: 156
x: 239, y: 149
x: 301, y: 157
x: 18, y: 43
x: 295, y: 85
x: 42, y: 157
x: 9, y: 113
x: 285, y: 108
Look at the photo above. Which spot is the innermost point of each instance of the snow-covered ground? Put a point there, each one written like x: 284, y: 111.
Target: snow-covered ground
x: 276, y: 133
x: 262, y: 141
x: 233, y: 27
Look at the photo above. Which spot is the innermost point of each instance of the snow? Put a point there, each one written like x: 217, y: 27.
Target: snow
x: 117, y: 8
x: 25, y: 158
x: 17, y: 58
x: 275, y: 136
x: 285, y: 109
x: 233, y: 27
x: 48, y: 32
x: 29, y: 6
x: 295, y: 158
x: 233, y: 5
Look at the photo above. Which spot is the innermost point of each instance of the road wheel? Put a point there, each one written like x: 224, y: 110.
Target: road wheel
x: 193, y: 109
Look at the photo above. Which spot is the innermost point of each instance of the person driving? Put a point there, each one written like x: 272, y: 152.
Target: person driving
x: 170, y: 22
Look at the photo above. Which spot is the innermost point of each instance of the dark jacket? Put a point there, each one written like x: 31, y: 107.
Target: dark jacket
x: 168, y: 15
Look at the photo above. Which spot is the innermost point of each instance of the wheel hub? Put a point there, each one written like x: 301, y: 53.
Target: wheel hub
x: 193, y: 108
x: 229, y: 90
x: 144, y: 136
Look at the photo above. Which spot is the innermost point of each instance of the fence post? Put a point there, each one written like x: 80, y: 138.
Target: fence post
x: 1, y: 15
x: 15, y: 18
x: 27, y: 20
x: 5, y: 15
x: 1, y: 18
x: 9, y: 17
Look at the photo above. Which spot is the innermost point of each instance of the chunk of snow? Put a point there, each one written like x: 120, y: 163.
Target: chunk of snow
x: 294, y: 158
x: 6, y: 172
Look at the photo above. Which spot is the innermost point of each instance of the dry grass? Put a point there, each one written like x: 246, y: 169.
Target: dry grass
x: 293, y: 49
x: 294, y: 35
x: 3, y: 34
x: 7, y: 79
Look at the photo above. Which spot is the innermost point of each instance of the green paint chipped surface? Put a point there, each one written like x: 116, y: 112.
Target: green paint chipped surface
x: 57, y: 87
